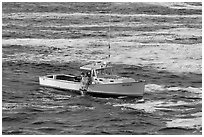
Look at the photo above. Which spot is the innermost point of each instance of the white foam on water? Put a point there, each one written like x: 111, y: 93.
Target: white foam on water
x: 188, y: 89
x: 74, y: 108
x: 198, y: 114
x: 60, y: 43
x: 154, y: 88
x: 13, y: 106
x: 189, y: 123
x: 62, y: 97
x: 48, y: 15
x: 177, y: 5
x: 152, y: 106
x: 46, y: 106
x: 177, y: 58
x: 159, y: 88
x: 147, y: 106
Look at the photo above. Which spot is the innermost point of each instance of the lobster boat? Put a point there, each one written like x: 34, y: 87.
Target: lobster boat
x: 96, y: 78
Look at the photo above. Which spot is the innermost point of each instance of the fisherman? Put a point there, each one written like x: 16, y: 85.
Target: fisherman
x: 89, y: 78
x: 84, y: 81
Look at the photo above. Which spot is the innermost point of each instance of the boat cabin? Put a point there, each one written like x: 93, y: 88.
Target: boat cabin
x: 98, y: 69
x: 100, y: 72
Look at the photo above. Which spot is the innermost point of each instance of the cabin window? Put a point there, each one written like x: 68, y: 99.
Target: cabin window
x: 86, y: 72
x: 93, y: 73
x: 104, y: 72
x: 63, y: 77
x: 50, y: 76
x: 77, y: 79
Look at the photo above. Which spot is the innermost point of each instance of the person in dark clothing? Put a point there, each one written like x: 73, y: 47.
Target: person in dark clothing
x: 89, y: 78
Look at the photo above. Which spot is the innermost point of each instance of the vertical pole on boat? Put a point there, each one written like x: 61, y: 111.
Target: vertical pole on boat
x: 109, y: 35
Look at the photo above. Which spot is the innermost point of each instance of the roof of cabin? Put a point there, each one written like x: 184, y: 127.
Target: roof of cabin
x: 96, y: 66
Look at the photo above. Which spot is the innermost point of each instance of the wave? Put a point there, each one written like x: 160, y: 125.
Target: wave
x: 45, y: 107
x: 152, y: 106
x: 188, y: 123
x: 175, y: 131
x: 9, y: 119
x: 13, y: 106
x: 147, y: 106
x: 75, y: 107
x: 49, y: 15
x: 159, y: 88
x: 21, y: 131
x: 13, y: 132
x: 189, y: 120
x: 62, y: 97
x: 16, y: 117
x: 48, y: 129
x: 178, y: 5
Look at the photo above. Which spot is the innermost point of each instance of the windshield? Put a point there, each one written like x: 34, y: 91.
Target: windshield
x: 104, y: 72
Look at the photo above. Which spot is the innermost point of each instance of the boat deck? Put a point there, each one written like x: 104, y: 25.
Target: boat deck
x: 65, y: 77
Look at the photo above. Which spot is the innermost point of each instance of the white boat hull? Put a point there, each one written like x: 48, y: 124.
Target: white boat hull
x: 120, y: 89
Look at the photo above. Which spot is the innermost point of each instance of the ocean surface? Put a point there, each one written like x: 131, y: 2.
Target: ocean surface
x: 36, y: 44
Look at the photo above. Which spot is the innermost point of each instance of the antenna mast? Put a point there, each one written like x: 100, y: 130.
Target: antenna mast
x: 109, y: 35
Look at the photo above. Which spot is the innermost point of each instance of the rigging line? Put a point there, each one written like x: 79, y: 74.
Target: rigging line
x: 109, y: 35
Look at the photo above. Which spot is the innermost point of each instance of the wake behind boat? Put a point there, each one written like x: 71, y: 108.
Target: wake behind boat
x: 96, y: 78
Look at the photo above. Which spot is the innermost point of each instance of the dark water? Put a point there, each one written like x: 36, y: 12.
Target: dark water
x: 172, y: 101
x: 31, y: 109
